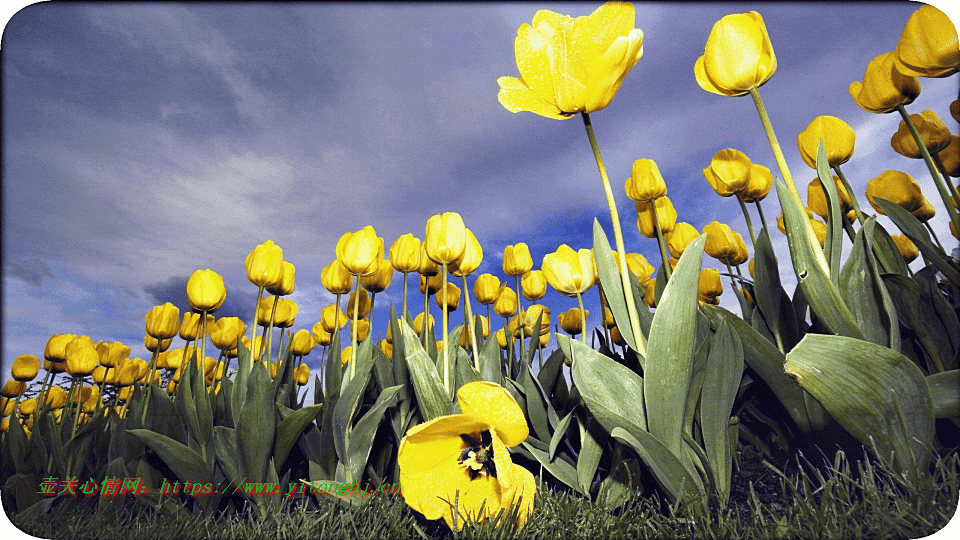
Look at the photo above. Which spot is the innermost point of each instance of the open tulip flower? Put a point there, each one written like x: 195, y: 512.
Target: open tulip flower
x: 462, y: 460
x: 928, y: 45
x: 569, y: 66
x: 738, y: 56
x: 933, y: 132
x: 569, y: 272
x: 883, y: 87
x: 838, y: 140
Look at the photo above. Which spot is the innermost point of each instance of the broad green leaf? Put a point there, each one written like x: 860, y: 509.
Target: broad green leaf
x: 228, y: 453
x: 559, y: 468
x: 696, y: 384
x: 361, y: 440
x: 538, y: 407
x: 811, y: 268
x: 945, y: 392
x: 432, y: 398
x: 875, y: 393
x: 667, y: 372
x: 774, y: 303
x: 886, y: 252
x: 289, y: 430
x: 862, y: 293
x: 723, y: 372
x: 184, y: 462
x: 590, y: 454
x: 257, y: 424
x: 334, y: 369
x: 914, y: 230
x: 612, y: 284
x: 351, y: 392
x: 667, y: 468
x: 613, y: 393
x: 489, y: 359
x: 834, y: 236
x: 560, y: 433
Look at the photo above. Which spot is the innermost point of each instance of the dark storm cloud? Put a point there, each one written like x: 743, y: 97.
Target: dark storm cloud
x: 31, y: 272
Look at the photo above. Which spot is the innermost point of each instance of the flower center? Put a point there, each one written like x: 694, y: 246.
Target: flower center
x: 477, y: 457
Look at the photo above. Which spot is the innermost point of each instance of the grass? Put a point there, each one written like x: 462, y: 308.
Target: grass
x: 846, y: 501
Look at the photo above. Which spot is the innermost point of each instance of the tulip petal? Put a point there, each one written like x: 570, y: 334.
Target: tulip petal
x: 492, y: 405
x: 516, y: 96
x: 704, y: 80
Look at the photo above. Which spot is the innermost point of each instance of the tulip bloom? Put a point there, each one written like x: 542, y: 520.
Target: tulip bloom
x: 301, y: 343
x: 759, y: 184
x: 163, y: 322
x: 709, y: 287
x: 569, y: 66
x: 926, y: 211
x: 928, y: 45
x: 379, y: 280
x: 283, y: 316
x: 405, y: 253
x: 205, y: 291
x: 54, y: 351
x: 464, y: 458
x: 680, y: 237
x: 572, y: 321
x: 450, y: 296
x: 486, y: 288
x: 336, y: 279
x: 287, y: 278
x: 666, y: 216
x: 738, y: 56
x: 638, y: 265
x: 721, y: 241
x: 838, y: 140
x: 817, y: 197
x: 226, y: 332
x: 933, y: 132
x: 950, y: 156
x: 507, y: 302
x: 896, y: 187
x: 321, y: 336
x: 569, y: 272
x: 302, y: 375
x: 263, y: 264
x: 362, y: 329
x: 25, y: 367
x: 468, y: 262
x: 360, y: 252
x: 332, y: 318
x: 883, y: 87
x: 729, y: 172
x: 517, y: 260
x: 418, y: 326
x: 534, y: 285
x: 906, y: 247
x: 82, y: 356
x: 445, y: 237
x: 645, y: 183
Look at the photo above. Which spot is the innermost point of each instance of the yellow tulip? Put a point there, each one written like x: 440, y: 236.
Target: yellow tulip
x: 283, y: 317
x: 741, y: 257
x: 226, y: 332
x: 534, y: 285
x: 387, y: 349
x: 363, y: 329
x: 729, y: 172
x: 445, y: 237
x: 617, y: 337
x: 645, y: 183
x: 530, y: 316
x: 817, y: 197
x: 302, y: 375
x: 950, y: 156
x: 301, y: 343
x: 405, y: 253
x: 25, y: 367
x: 12, y: 389
x: 758, y: 186
x: 332, y: 318
x: 336, y: 279
x: 287, y: 278
x: 738, y: 56
x: 484, y: 329
x: 709, y: 287
x: 418, y: 323
x: 883, y: 87
x: 320, y: 335
x: 517, y: 260
x: 568, y: 66
x: 926, y: 211
x: 928, y: 45
x: 896, y: 187
x: 452, y: 296
x: 153, y: 344
x: 163, y: 322
x: 431, y: 284
x: 205, y: 291
x: 721, y: 241
x: 113, y: 354
x: 263, y: 264
x: 470, y: 259
x: 378, y: 281
x: 502, y: 339
x: 782, y: 227
x: 906, y: 247
x: 507, y: 301
x: 360, y: 252
x: 427, y: 266
x: 747, y: 296
x: 680, y: 237
x: 190, y: 328
x: 569, y: 272
x: 666, y: 216
x: 572, y: 321
x: 933, y: 132
x: 57, y: 397
x: 82, y: 356
x: 638, y: 265
x: 54, y: 351
x: 838, y: 140
x: 486, y: 288
x: 820, y: 230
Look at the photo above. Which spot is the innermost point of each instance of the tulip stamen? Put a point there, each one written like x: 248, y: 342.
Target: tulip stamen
x: 478, y: 456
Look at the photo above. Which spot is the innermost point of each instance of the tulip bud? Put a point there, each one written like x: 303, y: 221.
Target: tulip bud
x: 379, y: 280
x: 360, y: 252
x: 709, y: 287
x: 470, y: 259
x: 572, y: 321
x: 517, y: 260
x: 82, y: 356
x: 265, y: 264
x: 838, y: 141
x: 507, y: 302
x: 302, y: 375
x: 287, y: 278
x: 729, y: 172
x: 486, y: 288
x: 445, y: 237
x: 738, y: 56
x: 226, y: 332
x: 534, y: 285
x: 320, y: 335
x: 721, y: 241
x: 336, y: 279
x: 205, y: 291
x: 666, y: 216
x: 817, y: 197
x: 680, y: 237
x: 418, y: 323
x: 646, y: 183
x: 163, y: 321
x: 896, y: 187
x: 332, y: 318
x: 25, y: 367
x: 405, y: 253
x: 451, y: 295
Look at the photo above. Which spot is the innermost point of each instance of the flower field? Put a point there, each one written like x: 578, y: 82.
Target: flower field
x: 475, y: 403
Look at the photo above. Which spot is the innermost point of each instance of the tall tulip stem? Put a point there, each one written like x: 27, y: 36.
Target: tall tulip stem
x: 353, y: 331
x: 403, y: 314
x: 937, y: 178
x: 469, y: 323
x: 583, y: 318
x: 519, y: 313
x: 446, y: 353
x: 763, y: 219
x: 746, y: 215
x: 774, y: 145
x: 618, y: 237
x: 660, y: 241
x: 253, y: 324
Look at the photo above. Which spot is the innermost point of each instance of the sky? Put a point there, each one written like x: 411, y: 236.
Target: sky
x: 142, y: 142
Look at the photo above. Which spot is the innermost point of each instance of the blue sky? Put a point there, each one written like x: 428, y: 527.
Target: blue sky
x: 145, y: 141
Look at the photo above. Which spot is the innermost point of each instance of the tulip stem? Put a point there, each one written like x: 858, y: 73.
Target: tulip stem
x: 746, y: 215
x: 469, y: 323
x: 353, y: 330
x: 853, y: 196
x: 763, y: 218
x: 774, y: 145
x: 618, y: 237
x: 403, y: 314
x: 273, y: 315
x: 934, y: 235
x: 660, y: 241
x: 937, y: 178
x: 426, y: 313
x: 847, y: 226
x: 583, y: 318
x: 253, y: 335
x: 519, y: 313
x: 446, y: 354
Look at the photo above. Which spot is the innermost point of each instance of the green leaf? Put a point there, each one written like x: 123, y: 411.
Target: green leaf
x: 668, y: 370
x: 612, y: 393
x: 184, y: 462
x: 774, y: 303
x: 560, y: 433
x: 667, y: 468
x: 875, y: 393
x: 228, y: 453
x: 539, y: 409
x: 612, y: 284
x: 914, y: 230
x: 863, y: 292
x: 721, y: 383
x: 489, y: 359
x: 834, y: 236
x: 361, y: 440
x: 811, y: 268
x: 257, y: 424
x: 590, y: 454
x: 622, y: 484
x: 886, y: 252
x: 432, y: 398
x: 945, y: 392
x: 289, y: 430
x: 559, y: 468
x: 350, y: 395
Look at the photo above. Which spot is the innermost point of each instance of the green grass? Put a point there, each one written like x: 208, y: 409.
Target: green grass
x: 858, y: 501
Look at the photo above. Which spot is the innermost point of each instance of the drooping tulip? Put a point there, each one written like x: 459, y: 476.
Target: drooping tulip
x: 883, y: 87
x: 738, y: 56
x: 569, y: 66
x: 928, y: 45
x: 933, y: 132
x: 838, y: 141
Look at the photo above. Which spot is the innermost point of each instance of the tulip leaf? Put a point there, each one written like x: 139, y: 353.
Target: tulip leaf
x: 667, y: 373
x: 590, y: 454
x: 256, y: 426
x: 914, y: 230
x: 351, y: 393
x: 622, y: 484
x: 863, y: 291
x: 489, y: 360
x: 774, y: 303
x: 886, y: 252
x: 938, y: 335
x: 696, y: 384
x: 334, y: 369
x: 432, y: 398
x: 361, y: 440
x: 560, y: 433
x: 612, y: 284
x: 612, y: 392
x: 559, y: 468
x: 722, y: 376
x: 811, y: 268
x: 289, y: 430
x: 666, y: 466
x: 834, y: 236
x: 228, y: 453
x: 184, y: 462
x: 874, y: 392
x: 945, y: 392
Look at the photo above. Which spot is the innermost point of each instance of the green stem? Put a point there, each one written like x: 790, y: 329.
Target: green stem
x: 847, y: 226
x: 469, y: 325
x: 618, y: 237
x: 660, y: 241
x: 934, y: 235
x: 403, y: 314
x: 353, y: 329
x: 746, y: 215
x: 763, y: 218
x: 519, y: 314
x: 946, y: 177
x: 583, y: 318
x: 273, y: 314
x: 446, y: 353
x: 853, y: 196
x: 253, y: 336
x: 937, y: 178
x: 426, y: 312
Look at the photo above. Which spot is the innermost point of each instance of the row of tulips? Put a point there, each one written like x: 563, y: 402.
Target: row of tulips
x: 865, y: 347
